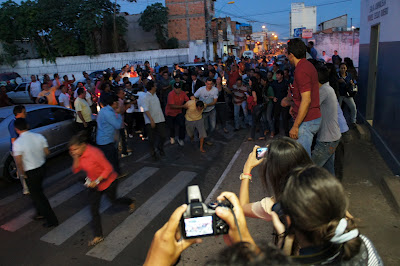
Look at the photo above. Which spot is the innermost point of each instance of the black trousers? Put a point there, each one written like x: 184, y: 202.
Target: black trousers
x: 124, y: 143
x: 129, y: 118
x: 172, y: 122
x: 111, y: 153
x: 89, y: 129
x: 94, y: 199
x: 140, y: 125
x: 159, y: 131
x: 40, y: 202
x: 278, y: 109
x: 339, y: 160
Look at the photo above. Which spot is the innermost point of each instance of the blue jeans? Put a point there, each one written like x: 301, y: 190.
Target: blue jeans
x: 324, y: 155
x: 257, y: 113
x: 210, y: 121
x: 352, y: 106
x: 307, y: 130
x: 236, y: 112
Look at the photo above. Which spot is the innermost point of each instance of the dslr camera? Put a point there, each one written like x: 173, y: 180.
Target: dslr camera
x: 200, y: 219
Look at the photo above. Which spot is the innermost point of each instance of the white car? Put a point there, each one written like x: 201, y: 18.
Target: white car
x: 21, y: 94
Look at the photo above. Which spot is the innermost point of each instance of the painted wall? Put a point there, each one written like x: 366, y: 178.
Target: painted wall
x: 386, y: 120
x: 77, y: 64
x: 340, y: 22
x: 347, y: 43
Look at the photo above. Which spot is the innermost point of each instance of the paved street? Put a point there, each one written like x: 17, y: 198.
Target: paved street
x: 159, y: 188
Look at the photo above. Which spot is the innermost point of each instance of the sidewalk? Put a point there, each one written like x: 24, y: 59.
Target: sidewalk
x: 363, y: 177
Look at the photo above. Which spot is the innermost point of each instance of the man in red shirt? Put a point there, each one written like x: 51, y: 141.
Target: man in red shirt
x: 101, y: 178
x: 174, y: 114
x: 305, y: 94
x: 233, y: 76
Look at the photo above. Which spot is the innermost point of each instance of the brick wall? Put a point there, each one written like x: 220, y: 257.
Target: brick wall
x: 186, y: 19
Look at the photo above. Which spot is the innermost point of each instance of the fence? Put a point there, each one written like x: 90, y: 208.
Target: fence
x: 76, y: 65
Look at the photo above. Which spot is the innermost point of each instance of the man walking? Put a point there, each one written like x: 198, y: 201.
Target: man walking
x: 83, y: 112
x: 174, y: 114
x: 19, y: 112
x: 194, y: 120
x: 305, y: 109
x: 108, y: 125
x: 30, y: 151
x: 36, y: 87
x: 154, y: 119
x: 208, y: 94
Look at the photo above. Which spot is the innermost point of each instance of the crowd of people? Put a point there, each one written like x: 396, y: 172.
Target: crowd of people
x: 298, y: 98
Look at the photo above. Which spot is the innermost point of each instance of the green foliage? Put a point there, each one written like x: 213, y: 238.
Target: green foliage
x: 59, y: 27
x: 173, y: 43
x: 155, y: 17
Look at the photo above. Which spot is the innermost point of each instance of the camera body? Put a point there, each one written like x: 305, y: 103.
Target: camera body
x: 199, y: 219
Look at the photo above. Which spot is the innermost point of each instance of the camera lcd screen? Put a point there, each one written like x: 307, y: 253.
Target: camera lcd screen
x: 199, y: 226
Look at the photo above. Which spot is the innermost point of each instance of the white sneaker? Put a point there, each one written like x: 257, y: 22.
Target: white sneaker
x: 130, y: 136
x: 172, y: 140
x: 25, y: 192
x: 181, y: 142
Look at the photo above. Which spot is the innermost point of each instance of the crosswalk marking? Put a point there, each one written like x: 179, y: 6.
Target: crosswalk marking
x: 122, y: 235
x: 69, y: 227
x: 56, y: 200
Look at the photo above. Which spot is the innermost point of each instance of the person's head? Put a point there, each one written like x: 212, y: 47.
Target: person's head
x: 77, y: 144
x: 128, y: 86
x: 165, y: 75
x: 120, y: 93
x: 264, y: 81
x: 65, y: 77
x: 323, y: 53
x: 112, y: 101
x: 105, y: 87
x: 88, y: 81
x: 218, y: 80
x: 323, y: 74
x: 199, y: 106
x: 348, y: 62
x: 151, y: 86
x: 209, y: 83
x: 79, y: 85
x: 3, y: 89
x: 56, y: 76
x: 335, y: 52
x: 239, y: 82
x: 194, y: 75
x: 269, y: 75
x: 311, y: 44
x: 177, y: 87
x: 116, y: 77
x: 233, y: 67
x: 63, y: 89
x: 19, y: 111
x: 343, y: 68
x: 33, y: 78
x: 45, y: 86
x: 85, y: 74
x: 279, y: 75
x: 286, y: 73
x: 296, y: 50
x: 177, y: 78
x: 315, y: 202
x: 253, y: 82
x: 147, y: 64
x: 275, y: 67
x: 81, y: 93
x: 283, y: 155
x: 211, y: 73
x: 20, y: 125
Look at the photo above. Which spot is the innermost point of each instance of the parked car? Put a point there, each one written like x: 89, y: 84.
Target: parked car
x: 21, y: 94
x: 10, y: 80
x: 55, y: 123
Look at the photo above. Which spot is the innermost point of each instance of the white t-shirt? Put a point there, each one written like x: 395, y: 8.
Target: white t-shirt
x: 36, y: 88
x: 64, y: 99
x: 151, y: 103
x: 207, y: 96
x: 31, y: 146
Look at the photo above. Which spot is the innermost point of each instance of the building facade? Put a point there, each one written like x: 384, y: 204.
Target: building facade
x: 379, y: 92
x: 302, y: 16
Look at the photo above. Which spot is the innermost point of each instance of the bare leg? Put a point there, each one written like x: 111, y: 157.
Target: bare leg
x: 201, y: 145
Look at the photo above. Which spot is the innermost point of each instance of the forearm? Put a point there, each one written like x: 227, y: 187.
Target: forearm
x: 174, y: 106
x: 244, y: 192
x: 149, y: 115
x: 81, y: 116
x: 19, y: 165
x: 303, y: 109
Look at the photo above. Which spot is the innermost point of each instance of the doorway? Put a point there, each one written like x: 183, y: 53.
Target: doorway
x: 372, y: 73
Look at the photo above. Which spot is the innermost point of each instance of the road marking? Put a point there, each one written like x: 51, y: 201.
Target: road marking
x: 69, y: 227
x: 56, y: 200
x: 227, y: 169
x: 48, y: 180
x: 123, y: 235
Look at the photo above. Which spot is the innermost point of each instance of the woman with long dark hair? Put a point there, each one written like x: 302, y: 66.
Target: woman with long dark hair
x: 314, y: 207
x: 345, y: 81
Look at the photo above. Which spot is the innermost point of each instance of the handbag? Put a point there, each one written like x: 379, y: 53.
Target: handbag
x: 352, y: 90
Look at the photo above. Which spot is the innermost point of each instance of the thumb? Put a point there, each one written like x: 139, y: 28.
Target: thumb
x: 185, y: 243
x: 226, y: 215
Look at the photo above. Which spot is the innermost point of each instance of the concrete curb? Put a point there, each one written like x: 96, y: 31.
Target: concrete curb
x: 391, y: 187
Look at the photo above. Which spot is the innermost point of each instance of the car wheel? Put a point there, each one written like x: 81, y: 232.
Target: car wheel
x: 10, y: 170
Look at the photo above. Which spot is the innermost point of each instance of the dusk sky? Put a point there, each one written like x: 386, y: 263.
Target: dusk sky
x: 272, y: 13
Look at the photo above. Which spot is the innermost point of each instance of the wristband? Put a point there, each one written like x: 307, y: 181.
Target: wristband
x: 245, y: 176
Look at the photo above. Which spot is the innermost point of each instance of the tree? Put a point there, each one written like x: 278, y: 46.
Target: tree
x: 60, y: 27
x: 155, y: 17
x: 173, y: 43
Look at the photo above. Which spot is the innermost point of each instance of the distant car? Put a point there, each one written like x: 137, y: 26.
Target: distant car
x: 10, y: 80
x: 55, y: 123
x: 249, y: 54
x: 21, y: 94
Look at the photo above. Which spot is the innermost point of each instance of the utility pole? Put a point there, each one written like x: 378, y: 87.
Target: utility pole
x: 207, y: 27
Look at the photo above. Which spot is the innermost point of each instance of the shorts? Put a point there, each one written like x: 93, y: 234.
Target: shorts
x: 199, y: 125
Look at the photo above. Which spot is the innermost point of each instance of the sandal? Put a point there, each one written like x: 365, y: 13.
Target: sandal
x: 261, y: 138
x: 132, y: 206
x: 95, y: 241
